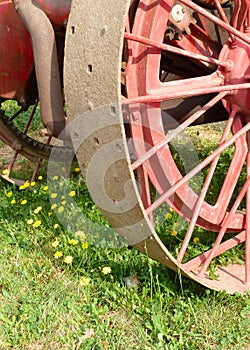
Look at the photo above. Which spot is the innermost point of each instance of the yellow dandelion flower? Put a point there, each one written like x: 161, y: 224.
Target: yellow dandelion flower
x: 63, y: 202
x: 106, y: 270
x: 58, y: 254
x: 60, y: 209
x: 173, y: 233
x: 24, y: 186
x: 54, y: 206
x: 55, y: 177
x: 24, y: 201
x: 53, y: 195
x: 45, y: 188
x: 85, y: 245
x: 72, y: 193
x: 77, y: 170
x: 84, y: 281
x: 40, y: 177
x: 73, y: 241
x: 63, y: 197
x: 56, y: 226
x: 30, y: 221
x: 32, y: 183
x: 36, y: 211
x: 49, y: 213
x: 5, y: 171
x: 13, y: 201
x: 55, y: 243
x: 9, y: 194
x: 196, y: 240
x: 68, y: 259
x: 37, y: 223
x: 81, y: 235
x: 169, y: 216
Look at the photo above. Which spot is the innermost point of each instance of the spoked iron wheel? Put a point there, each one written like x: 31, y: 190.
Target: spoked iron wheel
x: 180, y: 64
x: 26, y: 138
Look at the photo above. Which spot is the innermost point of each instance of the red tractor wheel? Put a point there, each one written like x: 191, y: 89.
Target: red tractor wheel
x: 184, y: 65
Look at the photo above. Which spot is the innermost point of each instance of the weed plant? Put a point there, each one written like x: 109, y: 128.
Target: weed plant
x: 11, y: 107
x: 63, y: 273
x: 61, y: 290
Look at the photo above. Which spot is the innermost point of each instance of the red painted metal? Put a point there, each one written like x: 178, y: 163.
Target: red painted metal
x: 247, y: 233
x: 229, y: 28
x: 16, y: 61
x: 202, y: 195
x: 16, y: 58
x: 230, y: 81
x: 173, y: 49
x: 238, y: 53
x: 138, y: 162
x: 224, y: 227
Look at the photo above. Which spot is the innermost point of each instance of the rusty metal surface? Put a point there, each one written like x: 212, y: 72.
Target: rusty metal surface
x: 92, y: 88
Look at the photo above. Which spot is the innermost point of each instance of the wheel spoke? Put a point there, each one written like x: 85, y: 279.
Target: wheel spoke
x: 171, y: 91
x: 204, y: 190
x: 25, y: 145
x: 25, y: 131
x: 17, y: 114
x: 176, y: 50
x: 233, y: 173
x: 178, y: 130
x: 236, y: 13
x: 197, y: 169
x: 39, y: 163
x: 224, y: 228
x: 247, y: 237
x: 220, y: 11
x: 217, y: 21
x: 240, y: 14
x: 143, y: 180
x: 194, y: 263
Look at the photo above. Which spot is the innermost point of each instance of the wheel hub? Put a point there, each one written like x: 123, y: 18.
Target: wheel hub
x: 238, y: 53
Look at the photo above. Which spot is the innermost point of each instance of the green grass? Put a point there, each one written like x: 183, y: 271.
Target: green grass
x: 44, y: 305
x: 11, y: 107
x: 49, y: 304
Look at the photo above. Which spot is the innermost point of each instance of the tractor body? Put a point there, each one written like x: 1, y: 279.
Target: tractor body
x: 17, y: 79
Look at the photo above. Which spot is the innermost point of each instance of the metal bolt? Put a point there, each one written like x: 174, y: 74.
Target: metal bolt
x: 177, y: 13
